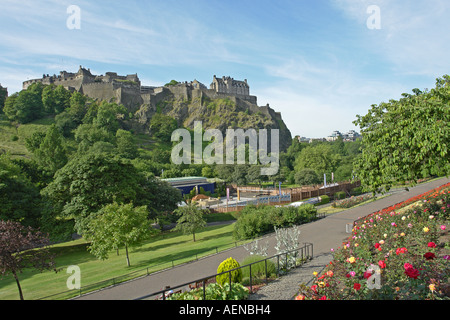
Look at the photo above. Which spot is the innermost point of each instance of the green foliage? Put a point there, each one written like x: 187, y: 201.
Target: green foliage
x: 108, y: 115
x: 89, y: 182
x: 26, y: 105
x: 255, y: 221
x: 55, y: 99
x: 307, y: 177
x: 226, y: 265
x: 321, y: 158
x: 162, y: 126
x: 51, y: 154
x: 3, y: 96
x: 191, y: 219
x: 324, y: 200
x: 340, y: 195
x: 171, y: 83
x: 214, y: 291
x: 20, y: 199
x: 126, y: 145
x: 258, y: 269
x: 406, y: 139
x: 117, y: 225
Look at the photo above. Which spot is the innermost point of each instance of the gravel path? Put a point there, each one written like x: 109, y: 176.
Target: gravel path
x: 286, y: 287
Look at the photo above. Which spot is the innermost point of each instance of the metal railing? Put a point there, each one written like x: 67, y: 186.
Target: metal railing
x: 284, y: 262
x: 144, y: 272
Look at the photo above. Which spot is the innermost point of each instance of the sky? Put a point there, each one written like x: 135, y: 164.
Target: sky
x: 320, y: 63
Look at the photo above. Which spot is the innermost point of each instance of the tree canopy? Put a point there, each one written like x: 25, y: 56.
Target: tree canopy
x: 406, y: 139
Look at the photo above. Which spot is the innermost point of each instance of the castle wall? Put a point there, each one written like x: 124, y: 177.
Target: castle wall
x: 100, y: 91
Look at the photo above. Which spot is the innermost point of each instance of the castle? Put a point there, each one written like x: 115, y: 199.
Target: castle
x: 128, y: 90
x: 143, y: 101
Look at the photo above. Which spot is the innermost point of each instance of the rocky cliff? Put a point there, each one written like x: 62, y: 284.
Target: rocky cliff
x: 214, y: 110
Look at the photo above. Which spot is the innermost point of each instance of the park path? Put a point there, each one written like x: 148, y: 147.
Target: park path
x: 324, y: 234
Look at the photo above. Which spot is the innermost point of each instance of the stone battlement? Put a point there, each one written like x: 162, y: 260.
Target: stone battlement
x: 128, y: 90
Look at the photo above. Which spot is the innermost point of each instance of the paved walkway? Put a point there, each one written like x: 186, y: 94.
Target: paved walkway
x: 325, y: 234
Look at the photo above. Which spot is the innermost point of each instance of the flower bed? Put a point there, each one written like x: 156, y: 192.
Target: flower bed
x: 400, y: 252
x: 352, y: 201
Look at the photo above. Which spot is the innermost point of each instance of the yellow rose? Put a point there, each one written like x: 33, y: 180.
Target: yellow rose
x: 315, y: 273
x: 426, y: 229
x: 351, y: 259
x: 432, y: 287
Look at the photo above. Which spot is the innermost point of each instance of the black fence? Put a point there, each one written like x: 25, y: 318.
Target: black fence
x: 283, y: 262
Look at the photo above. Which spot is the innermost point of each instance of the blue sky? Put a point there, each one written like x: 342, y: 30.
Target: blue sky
x: 316, y: 62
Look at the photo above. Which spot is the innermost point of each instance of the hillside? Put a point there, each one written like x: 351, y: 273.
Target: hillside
x: 220, y: 113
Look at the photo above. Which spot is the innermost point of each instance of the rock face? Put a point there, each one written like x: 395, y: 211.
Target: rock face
x: 187, y: 104
x: 226, y: 104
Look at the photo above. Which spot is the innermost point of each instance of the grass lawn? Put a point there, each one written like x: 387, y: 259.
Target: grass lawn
x: 155, y: 254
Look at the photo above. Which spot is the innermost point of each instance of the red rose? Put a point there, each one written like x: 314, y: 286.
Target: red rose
x: 377, y: 245
x: 429, y: 256
x: 367, y: 275
x: 356, y: 286
x: 382, y: 264
x: 412, y: 272
x: 407, y: 265
x: 431, y: 245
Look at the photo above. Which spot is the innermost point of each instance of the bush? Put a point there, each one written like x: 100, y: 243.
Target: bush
x: 324, y: 200
x: 214, y: 291
x: 339, y: 195
x: 258, y: 269
x: 229, y: 264
x: 352, y: 201
x: 356, y: 191
x: 255, y: 221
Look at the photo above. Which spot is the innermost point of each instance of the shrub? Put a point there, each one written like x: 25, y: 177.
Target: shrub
x: 324, y: 200
x: 258, y: 269
x: 254, y: 221
x: 340, y: 195
x: 356, y: 191
x: 214, y: 291
x: 352, y: 201
x: 226, y: 265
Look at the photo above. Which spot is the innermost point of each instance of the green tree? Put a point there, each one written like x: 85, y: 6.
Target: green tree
x: 3, y: 96
x: 307, y: 177
x: 162, y: 126
x: 191, y: 220
x: 20, y: 199
x: 407, y: 139
x: 126, y: 145
x: 51, y: 154
x: 108, y: 115
x: 86, y: 135
x: 26, y: 106
x: 118, y: 225
x: 89, y: 182
x: 321, y: 158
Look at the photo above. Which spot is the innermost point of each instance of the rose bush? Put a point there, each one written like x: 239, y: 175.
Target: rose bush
x: 400, y: 252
